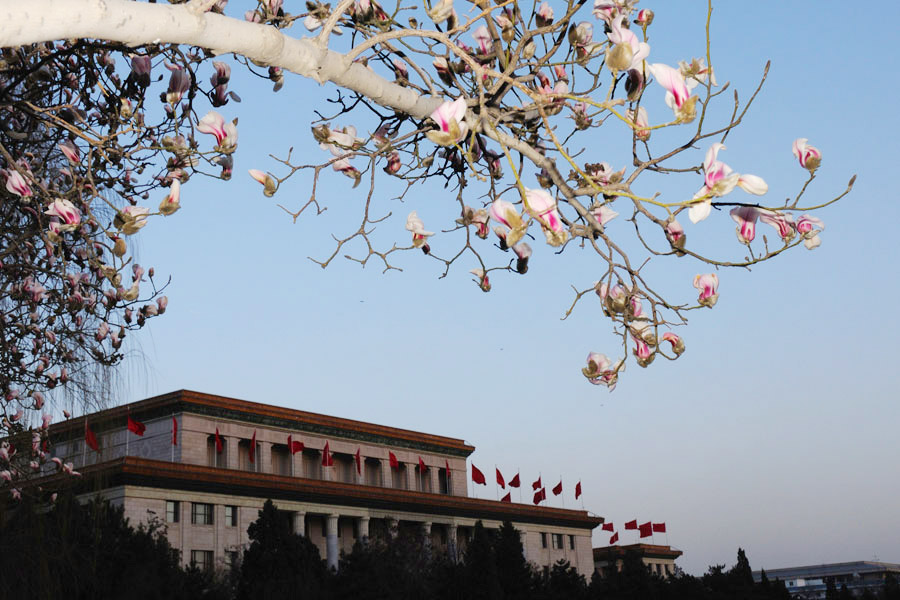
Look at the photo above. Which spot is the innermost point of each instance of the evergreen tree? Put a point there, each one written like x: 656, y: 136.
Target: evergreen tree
x: 481, y: 579
x: 279, y: 563
x: 891, y: 589
x: 513, y: 571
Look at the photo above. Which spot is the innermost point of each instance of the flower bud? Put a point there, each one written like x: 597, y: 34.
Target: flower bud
x: 644, y: 17
x: 618, y: 58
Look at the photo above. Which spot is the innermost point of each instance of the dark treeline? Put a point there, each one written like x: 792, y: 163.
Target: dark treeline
x: 90, y: 551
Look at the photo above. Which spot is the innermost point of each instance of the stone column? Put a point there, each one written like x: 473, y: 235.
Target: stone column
x: 435, y: 481
x: 231, y: 452
x: 300, y: 522
x: 392, y: 526
x: 451, y: 542
x: 331, y: 541
x: 265, y: 457
x: 426, y: 533
x: 387, y: 473
x: 364, y: 529
x: 523, y: 536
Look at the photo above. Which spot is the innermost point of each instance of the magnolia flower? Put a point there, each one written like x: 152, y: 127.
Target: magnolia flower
x: 523, y: 253
x: 782, y: 222
x: 719, y: 180
x: 643, y: 352
x: 441, y: 11
x: 678, y: 95
x: 640, y: 123
x: 483, y: 37
x: 600, y: 371
x: 172, y: 201
x: 225, y: 133
x: 506, y: 213
x: 708, y: 285
x: 65, y: 211
x: 449, y: 118
x: 420, y: 237
x: 219, y: 81
x: 400, y: 70
x: 615, y: 299
x: 696, y: 72
x: 179, y: 83
x: 809, y: 156
x: 676, y: 341
x: 46, y: 420
x: 482, y: 280
x: 443, y: 69
x: 542, y: 206
x: 131, y: 219
x: 16, y: 184
x: 604, y: 214
x: 581, y: 35
x: 626, y: 51
x: 544, y: 15
x: 675, y: 234
x: 70, y: 150
x: 809, y: 228
x: 140, y: 70
x: 745, y: 217
x: 393, y: 163
x: 644, y: 17
x: 38, y: 400
x: 265, y: 179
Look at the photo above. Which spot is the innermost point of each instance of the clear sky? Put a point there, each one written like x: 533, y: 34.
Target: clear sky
x: 776, y: 431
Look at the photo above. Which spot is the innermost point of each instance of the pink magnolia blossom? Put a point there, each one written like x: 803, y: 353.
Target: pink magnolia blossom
x: 745, y: 217
x: 449, y: 117
x: 65, y: 211
x: 708, y: 285
x: 140, y: 70
x: 640, y: 123
x: 483, y: 38
x: 265, y: 179
x: 544, y: 15
x: 133, y: 219
x: 676, y: 341
x: 604, y: 214
x: 809, y: 227
x: 16, y: 184
x: 719, y: 180
x: 394, y: 164
x: 675, y: 234
x: 38, y: 400
x: 46, y: 420
x: 441, y: 11
x: 642, y: 352
x: 615, y: 299
x: 523, y: 253
x: 172, y: 201
x: 225, y: 133
x: 416, y: 226
x: 782, y: 222
x: 541, y: 205
x: 696, y: 72
x: 626, y: 52
x: 644, y: 17
x: 504, y: 212
x: 179, y: 83
x: 482, y: 281
x: 809, y: 156
x: 601, y: 371
x: 70, y: 151
x: 678, y: 95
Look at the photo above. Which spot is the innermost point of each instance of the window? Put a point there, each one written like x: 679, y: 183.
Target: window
x: 231, y: 558
x: 373, y: 472
x: 571, y: 542
x: 399, y: 477
x: 281, y: 459
x: 173, y: 511
x: 231, y: 516
x: 312, y: 463
x: 443, y: 481
x: 201, y: 513
x: 543, y: 540
x: 214, y: 458
x: 557, y: 541
x: 202, y: 559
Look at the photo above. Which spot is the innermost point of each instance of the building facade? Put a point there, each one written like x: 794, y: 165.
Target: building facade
x: 208, y: 496
x: 810, y: 582
x: 659, y: 560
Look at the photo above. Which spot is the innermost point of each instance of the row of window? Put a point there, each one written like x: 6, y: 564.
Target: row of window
x: 201, y: 514
x: 203, y: 559
x: 557, y: 541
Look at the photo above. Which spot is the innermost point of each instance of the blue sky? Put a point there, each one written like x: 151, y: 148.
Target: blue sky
x: 776, y: 431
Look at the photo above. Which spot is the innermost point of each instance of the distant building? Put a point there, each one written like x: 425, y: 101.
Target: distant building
x: 208, y: 498
x: 659, y: 560
x: 810, y: 582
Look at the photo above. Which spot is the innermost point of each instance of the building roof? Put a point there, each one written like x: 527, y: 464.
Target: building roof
x: 647, y: 550
x: 829, y: 570
x: 144, y: 472
x: 221, y: 407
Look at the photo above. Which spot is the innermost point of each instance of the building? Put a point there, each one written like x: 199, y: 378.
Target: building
x: 208, y: 498
x: 811, y: 581
x: 660, y: 560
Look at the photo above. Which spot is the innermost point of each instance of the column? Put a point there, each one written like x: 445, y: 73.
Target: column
x: 300, y: 523
x: 387, y: 473
x: 392, y: 526
x: 524, y: 538
x: 331, y: 541
x: 265, y: 457
x: 364, y: 529
x: 435, y: 482
x: 231, y: 453
x: 451, y: 542
x: 411, y: 477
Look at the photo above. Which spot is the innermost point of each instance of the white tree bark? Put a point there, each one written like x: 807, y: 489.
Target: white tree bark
x: 138, y: 23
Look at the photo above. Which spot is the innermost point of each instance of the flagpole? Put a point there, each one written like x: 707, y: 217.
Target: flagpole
x: 174, y: 436
x: 126, y: 440
x: 519, y: 475
x: 84, y: 448
x: 562, y: 493
x: 496, y: 485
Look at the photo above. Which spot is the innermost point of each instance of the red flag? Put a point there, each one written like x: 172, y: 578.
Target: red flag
x: 608, y: 527
x: 514, y: 482
x: 537, y: 484
x: 219, y: 447
x: 478, y: 476
x: 506, y: 498
x: 614, y: 538
x: 90, y: 439
x: 577, y: 490
x: 447, y: 466
x: 557, y: 489
x: 659, y: 528
x: 252, y: 454
x: 422, y: 467
x: 136, y: 427
x: 500, y: 480
x: 294, y: 446
x: 631, y: 524
x: 358, y: 462
x: 539, y: 496
x: 174, y: 431
x: 395, y: 464
x: 327, y: 459
x: 645, y: 529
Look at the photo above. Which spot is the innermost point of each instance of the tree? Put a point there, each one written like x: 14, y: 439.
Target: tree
x: 481, y: 104
x: 279, y: 563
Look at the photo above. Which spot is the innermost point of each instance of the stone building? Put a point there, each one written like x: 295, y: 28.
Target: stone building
x: 208, y: 498
x: 659, y: 560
